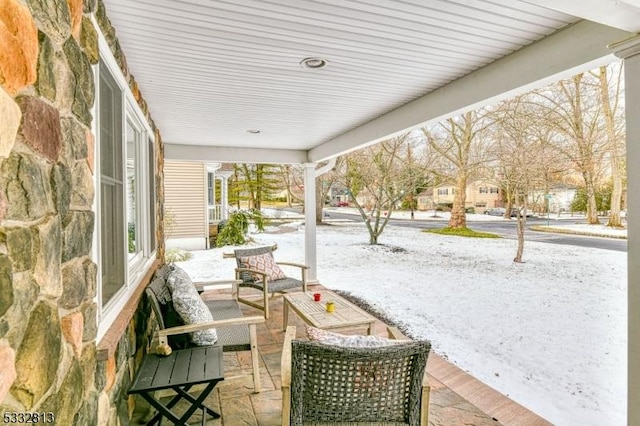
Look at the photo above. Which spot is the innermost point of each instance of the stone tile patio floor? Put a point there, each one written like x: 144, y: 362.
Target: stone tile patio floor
x: 456, y: 397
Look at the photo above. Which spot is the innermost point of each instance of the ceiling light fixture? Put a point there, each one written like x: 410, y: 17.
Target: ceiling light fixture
x: 313, y: 63
x: 253, y: 131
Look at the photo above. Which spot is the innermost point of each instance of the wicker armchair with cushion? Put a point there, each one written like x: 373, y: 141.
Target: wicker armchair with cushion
x: 257, y: 269
x: 225, y: 323
x: 327, y: 383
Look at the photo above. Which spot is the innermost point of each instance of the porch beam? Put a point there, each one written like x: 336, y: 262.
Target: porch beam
x: 233, y: 155
x: 579, y: 47
x: 614, y: 13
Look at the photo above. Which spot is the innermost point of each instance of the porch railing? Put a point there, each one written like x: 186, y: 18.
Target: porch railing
x: 215, y: 213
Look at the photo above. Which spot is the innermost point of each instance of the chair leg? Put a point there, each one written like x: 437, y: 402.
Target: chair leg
x: 235, y: 291
x: 265, y: 296
x: 255, y: 360
x: 266, y: 305
x: 424, y: 404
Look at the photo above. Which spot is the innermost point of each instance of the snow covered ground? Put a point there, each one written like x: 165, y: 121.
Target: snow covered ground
x: 550, y: 333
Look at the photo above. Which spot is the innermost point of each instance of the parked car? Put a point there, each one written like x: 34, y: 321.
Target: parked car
x: 497, y: 211
x: 340, y: 204
x: 514, y: 212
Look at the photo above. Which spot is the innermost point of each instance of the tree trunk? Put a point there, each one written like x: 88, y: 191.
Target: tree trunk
x: 373, y: 238
x: 319, y: 201
x: 458, y: 217
x: 587, y: 163
x: 522, y: 220
x: 508, y: 207
x: 592, y: 205
x: 612, y: 142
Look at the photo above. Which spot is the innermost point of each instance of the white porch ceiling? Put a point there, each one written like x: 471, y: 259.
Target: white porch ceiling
x: 211, y: 70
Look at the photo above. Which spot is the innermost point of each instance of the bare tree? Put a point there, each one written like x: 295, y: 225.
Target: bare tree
x: 615, y: 141
x: 524, y: 157
x: 375, y: 179
x: 461, y: 142
x: 573, y: 110
x: 290, y: 177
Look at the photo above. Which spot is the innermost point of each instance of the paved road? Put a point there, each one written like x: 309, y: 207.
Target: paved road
x: 507, y: 229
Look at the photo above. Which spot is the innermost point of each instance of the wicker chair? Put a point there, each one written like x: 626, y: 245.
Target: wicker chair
x: 267, y: 287
x: 336, y: 385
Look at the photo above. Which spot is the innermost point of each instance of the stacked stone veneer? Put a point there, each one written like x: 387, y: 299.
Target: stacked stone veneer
x: 49, y: 361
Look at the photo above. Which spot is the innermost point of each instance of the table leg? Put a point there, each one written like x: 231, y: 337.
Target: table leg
x: 181, y: 393
x: 163, y: 410
x: 197, y: 402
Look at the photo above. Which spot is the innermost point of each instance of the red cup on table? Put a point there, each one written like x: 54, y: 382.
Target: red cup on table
x: 316, y: 297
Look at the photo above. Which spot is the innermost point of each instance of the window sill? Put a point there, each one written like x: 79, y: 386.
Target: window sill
x: 109, y: 342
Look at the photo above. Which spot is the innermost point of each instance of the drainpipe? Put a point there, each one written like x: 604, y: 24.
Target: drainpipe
x: 327, y: 167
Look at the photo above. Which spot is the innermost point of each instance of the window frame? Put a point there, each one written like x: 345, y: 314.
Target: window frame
x: 140, y: 178
x: 138, y: 265
x: 211, y: 188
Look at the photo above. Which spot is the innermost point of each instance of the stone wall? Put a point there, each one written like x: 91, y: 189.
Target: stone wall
x: 48, y: 351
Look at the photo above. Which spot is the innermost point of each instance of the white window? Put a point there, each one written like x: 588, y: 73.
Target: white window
x: 494, y: 190
x: 134, y: 168
x: 443, y: 191
x: 211, y: 188
x: 125, y: 205
x: 484, y: 190
x: 110, y: 111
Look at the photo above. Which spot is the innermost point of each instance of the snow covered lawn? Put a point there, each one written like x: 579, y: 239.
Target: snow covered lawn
x: 549, y: 333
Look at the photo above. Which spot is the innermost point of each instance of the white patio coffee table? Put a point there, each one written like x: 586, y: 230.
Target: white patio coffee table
x: 345, y: 314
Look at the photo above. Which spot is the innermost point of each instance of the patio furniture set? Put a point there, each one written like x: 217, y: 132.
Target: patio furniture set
x: 331, y: 378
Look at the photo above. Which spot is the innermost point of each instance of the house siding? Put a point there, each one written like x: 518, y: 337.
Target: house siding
x: 185, y: 199
x: 474, y: 198
x: 47, y: 222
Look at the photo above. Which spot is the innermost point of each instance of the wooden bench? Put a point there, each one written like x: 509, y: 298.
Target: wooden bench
x: 235, y: 332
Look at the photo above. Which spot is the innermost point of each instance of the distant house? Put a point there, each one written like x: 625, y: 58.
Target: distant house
x: 425, y: 200
x: 481, y: 195
x: 193, y: 211
x: 338, y: 194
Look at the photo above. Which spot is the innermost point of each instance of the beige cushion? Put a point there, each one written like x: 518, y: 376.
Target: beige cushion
x: 263, y: 263
x: 348, y: 341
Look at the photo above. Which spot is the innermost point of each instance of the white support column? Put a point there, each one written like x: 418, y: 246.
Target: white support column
x: 310, y: 221
x: 629, y: 51
x: 224, y: 195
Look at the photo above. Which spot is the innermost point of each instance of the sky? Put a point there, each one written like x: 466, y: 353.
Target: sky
x: 550, y: 333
